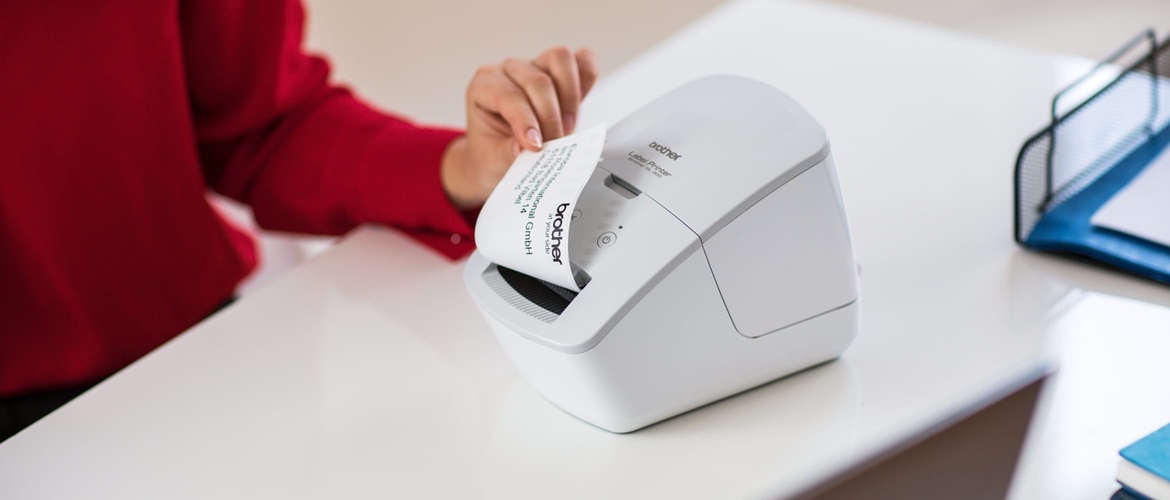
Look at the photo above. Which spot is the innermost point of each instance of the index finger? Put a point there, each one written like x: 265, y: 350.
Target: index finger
x: 587, y: 67
x: 561, y: 64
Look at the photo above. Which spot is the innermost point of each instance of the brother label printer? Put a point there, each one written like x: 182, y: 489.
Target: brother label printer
x: 718, y: 258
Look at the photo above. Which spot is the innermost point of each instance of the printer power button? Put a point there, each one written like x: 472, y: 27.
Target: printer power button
x: 606, y: 239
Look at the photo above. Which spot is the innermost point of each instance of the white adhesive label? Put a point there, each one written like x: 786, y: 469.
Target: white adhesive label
x: 525, y: 223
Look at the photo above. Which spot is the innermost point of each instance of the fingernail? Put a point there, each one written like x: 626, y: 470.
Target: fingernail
x: 534, y: 138
x: 570, y: 122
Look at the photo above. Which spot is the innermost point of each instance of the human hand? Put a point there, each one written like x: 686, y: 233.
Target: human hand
x: 517, y: 104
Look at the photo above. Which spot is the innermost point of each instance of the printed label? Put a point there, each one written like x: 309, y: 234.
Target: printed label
x: 525, y: 223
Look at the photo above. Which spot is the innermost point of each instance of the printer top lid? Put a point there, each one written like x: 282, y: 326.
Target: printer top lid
x: 710, y: 149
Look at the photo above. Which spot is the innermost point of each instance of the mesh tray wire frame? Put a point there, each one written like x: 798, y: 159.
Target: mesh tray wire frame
x: 1082, y: 143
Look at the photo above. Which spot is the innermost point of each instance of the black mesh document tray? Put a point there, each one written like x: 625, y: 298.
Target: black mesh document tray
x: 1067, y: 171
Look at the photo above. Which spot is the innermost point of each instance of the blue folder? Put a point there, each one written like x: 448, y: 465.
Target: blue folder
x: 1067, y: 227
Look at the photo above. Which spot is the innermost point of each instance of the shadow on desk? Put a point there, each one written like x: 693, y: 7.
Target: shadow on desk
x: 974, y: 458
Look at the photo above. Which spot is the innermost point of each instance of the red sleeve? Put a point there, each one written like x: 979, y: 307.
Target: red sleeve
x: 307, y: 156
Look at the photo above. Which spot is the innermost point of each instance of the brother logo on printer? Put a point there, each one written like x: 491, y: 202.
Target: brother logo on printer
x: 664, y: 150
x: 557, y: 222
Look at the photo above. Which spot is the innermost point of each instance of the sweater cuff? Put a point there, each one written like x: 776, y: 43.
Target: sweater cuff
x: 408, y: 192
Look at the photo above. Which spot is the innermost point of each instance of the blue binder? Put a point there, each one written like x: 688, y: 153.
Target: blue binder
x: 1069, y: 170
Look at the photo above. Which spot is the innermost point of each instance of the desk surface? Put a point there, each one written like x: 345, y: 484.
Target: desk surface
x: 368, y: 371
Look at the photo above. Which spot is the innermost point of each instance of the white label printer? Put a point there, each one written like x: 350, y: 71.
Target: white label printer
x: 717, y: 254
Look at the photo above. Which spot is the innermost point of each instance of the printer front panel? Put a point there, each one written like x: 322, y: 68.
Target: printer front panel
x: 627, y: 245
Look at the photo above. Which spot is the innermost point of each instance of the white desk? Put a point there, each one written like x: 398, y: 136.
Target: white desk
x: 1110, y: 337
x: 368, y: 372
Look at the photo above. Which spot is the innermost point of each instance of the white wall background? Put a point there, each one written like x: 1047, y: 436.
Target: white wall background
x: 415, y: 57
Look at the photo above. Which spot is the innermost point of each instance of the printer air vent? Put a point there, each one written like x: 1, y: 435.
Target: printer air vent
x: 534, y: 297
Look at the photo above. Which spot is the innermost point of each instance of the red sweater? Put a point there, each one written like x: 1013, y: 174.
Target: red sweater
x: 117, y: 116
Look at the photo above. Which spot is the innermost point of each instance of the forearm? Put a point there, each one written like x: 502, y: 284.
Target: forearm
x: 335, y: 163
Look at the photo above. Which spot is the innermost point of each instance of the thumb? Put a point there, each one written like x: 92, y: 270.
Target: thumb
x: 505, y: 154
x: 508, y: 152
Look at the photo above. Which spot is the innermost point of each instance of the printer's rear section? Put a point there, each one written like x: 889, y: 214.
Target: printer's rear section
x: 788, y: 258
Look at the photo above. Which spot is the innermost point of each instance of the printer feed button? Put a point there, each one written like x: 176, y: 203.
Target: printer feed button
x: 606, y: 239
